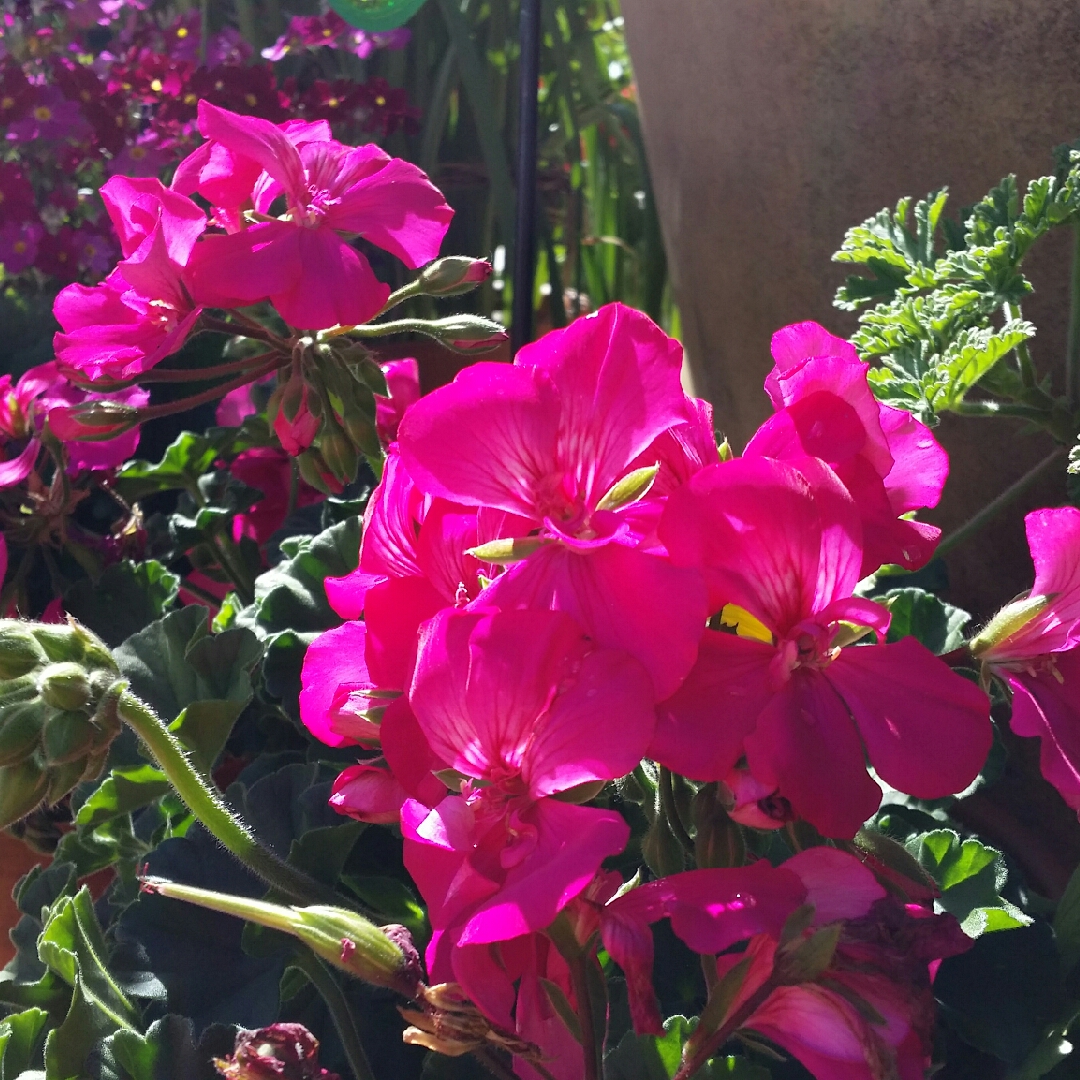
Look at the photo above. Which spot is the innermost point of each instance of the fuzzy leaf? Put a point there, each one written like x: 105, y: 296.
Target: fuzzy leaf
x: 920, y: 614
x: 126, y: 598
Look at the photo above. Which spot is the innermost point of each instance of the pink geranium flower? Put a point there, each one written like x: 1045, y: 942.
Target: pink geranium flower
x: 403, y: 382
x: 24, y: 407
x: 141, y: 312
x: 869, y: 1013
x: 1033, y: 646
x: 545, y: 442
x: 525, y: 708
x: 781, y: 557
x: 889, y: 462
x: 302, y: 261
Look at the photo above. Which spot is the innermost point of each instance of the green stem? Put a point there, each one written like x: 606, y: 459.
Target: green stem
x: 1024, y: 362
x: 708, y: 1048
x: 202, y: 594
x: 671, y: 811
x: 323, y: 980
x: 225, y: 550
x: 169, y: 408
x: 251, y: 328
x: 1001, y: 408
x: 206, y: 803
x: 993, y: 508
x: 160, y: 374
x: 1072, y: 349
x: 580, y: 978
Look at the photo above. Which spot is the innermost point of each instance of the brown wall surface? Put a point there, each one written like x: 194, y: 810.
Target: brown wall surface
x: 774, y: 125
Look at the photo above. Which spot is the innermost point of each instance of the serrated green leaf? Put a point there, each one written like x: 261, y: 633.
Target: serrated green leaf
x: 127, y: 597
x: 971, y: 876
x: 186, y: 459
x: 121, y: 792
x: 20, y: 1036
x: 166, y: 1052
x: 921, y: 615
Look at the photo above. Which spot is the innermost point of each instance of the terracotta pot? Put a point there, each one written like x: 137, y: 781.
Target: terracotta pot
x: 16, y: 859
x: 774, y: 125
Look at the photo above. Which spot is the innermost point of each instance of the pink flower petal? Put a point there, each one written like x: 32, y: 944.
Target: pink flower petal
x: 920, y: 462
x: 837, y: 884
x: 139, y: 207
x: 904, y: 700
x: 701, y: 727
x: 368, y: 793
x: 1047, y: 705
x: 245, y: 267
x: 571, y: 843
x: 623, y: 599
x: 409, y: 755
x: 331, y: 659
x: 16, y: 470
x: 335, y: 284
x: 806, y: 745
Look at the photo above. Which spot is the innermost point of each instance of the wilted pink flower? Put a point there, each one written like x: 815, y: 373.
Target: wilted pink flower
x: 403, y: 382
x: 546, y: 442
x: 1033, y: 645
x: 281, y: 1052
x: 300, y: 262
x: 141, y: 313
x: 864, y: 1013
x: 525, y: 707
x: 19, y: 245
x: 781, y: 557
x: 889, y: 462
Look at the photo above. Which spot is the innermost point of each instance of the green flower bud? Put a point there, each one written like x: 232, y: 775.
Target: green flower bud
x: 466, y: 333
x: 65, y: 686
x: 20, y: 729
x: 453, y: 276
x: 22, y: 787
x: 718, y: 841
x: 14, y: 691
x: 19, y: 652
x: 67, y: 737
x: 361, y: 430
x: 314, y: 471
x: 340, y: 455
x: 62, y: 778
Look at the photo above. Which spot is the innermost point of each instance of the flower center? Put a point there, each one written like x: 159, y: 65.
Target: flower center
x: 43, y: 113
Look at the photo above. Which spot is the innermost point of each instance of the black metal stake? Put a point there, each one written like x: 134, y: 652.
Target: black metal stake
x: 521, y: 326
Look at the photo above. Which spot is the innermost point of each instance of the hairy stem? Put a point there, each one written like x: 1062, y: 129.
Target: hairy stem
x: 340, y: 1012
x: 251, y: 328
x: 208, y: 806
x: 995, y: 507
x: 169, y: 408
x: 708, y: 1048
x: 225, y: 551
x: 1002, y: 408
x: 580, y: 979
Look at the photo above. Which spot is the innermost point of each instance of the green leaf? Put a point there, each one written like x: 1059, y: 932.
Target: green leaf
x: 921, y: 615
x: 72, y: 946
x: 971, y: 877
x: 377, y: 16
x: 972, y: 354
x: 121, y: 792
x: 185, y: 461
x: 657, y: 1057
x: 20, y: 1035
x: 1067, y: 924
x: 127, y: 597
x: 202, y: 681
x: 166, y: 1052
x: 291, y: 596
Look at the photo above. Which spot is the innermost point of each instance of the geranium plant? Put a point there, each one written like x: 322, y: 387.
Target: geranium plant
x: 522, y: 726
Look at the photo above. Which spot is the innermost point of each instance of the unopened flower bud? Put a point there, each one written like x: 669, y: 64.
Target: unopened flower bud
x: 22, y: 787
x: 292, y: 416
x: 467, y: 333
x: 381, y: 955
x: 453, y: 276
x: 1010, y: 619
x: 633, y: 486
x: 340, y: 456
x: 65, y: 686
x: 92, y: 421
x: 20, y: 729
x: 315, y: 472
x: 361, y: 431
x: 718, y: 841
x: 67, y: 737
x: 509, y: 550
x: 19, y: 652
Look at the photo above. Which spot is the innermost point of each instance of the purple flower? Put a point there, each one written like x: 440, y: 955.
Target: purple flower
x: 52, y: 117
x: 18, y: 245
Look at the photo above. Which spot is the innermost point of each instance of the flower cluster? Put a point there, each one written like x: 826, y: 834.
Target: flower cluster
x: 560, y: 574
x: 89, y: 91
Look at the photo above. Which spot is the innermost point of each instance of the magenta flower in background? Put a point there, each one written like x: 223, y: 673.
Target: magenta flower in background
x: 889, y: 461
x: 19, y: 244
x: 141, y: 313
x: 542, y: 443
x: 146, y: 156
x: 17, y: 202
x: 780, y: 558
x: 524, y: 706
x: 1033, y: 646
x: 301, y: 262
x: 93, y: 251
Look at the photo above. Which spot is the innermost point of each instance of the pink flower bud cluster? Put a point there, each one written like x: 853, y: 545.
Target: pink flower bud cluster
x: 558, y: 577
